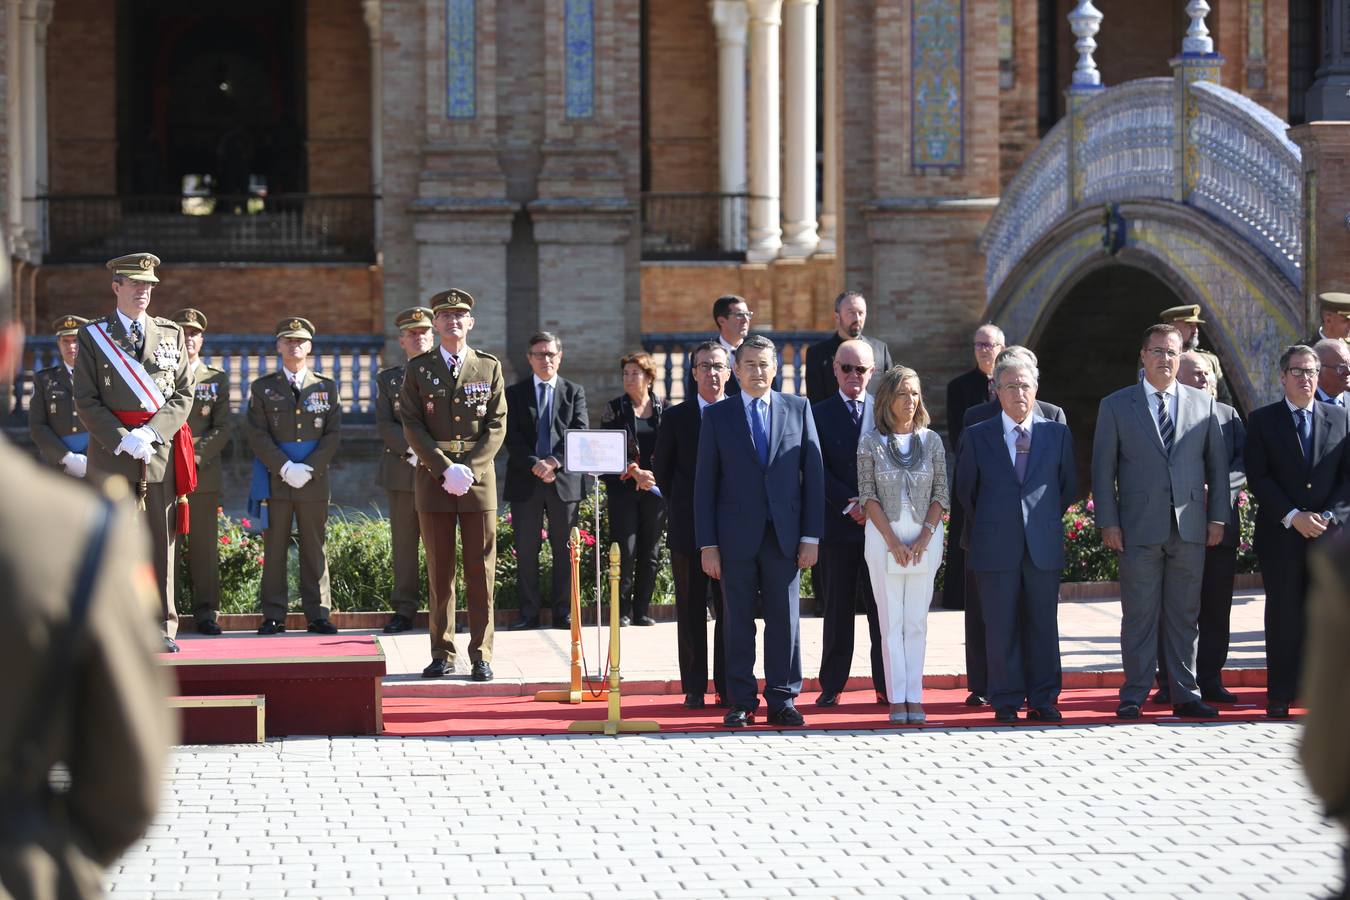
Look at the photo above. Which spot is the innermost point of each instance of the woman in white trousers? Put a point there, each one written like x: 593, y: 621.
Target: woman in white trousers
x: 902, y: 484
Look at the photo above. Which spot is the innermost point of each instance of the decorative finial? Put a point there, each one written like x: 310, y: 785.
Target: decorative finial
x: 1085, y: 21
x: 1197, y: 38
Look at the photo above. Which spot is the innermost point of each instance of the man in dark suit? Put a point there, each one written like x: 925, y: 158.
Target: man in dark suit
x: 964, y: 391
x: 1216, y: 583
x: 545, y: 406
x: 732, y: 315
x: 850, y: 313
x: 977, y: 660
x: 1298, y: 466
x: 841, y: 420
x: 758, y: 507
x: 674, y: 464
x: 1015, y: 475
x: 1334, y: 380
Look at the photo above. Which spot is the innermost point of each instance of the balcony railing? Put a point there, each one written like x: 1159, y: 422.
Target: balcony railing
x: 694, y: 226
x: 670, y: 351
x: 352, y: 360
x: 181, y: 228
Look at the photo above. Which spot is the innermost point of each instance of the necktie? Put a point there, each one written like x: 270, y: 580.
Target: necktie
x: 454, y: 366
x: 989, y: 389
x: 855, y: 410
x: 295, y: 391
x: 137, y: 337
x: 759, y: 432
x: 1023, y: 446
x: 1166, y: 430
x: 543, y: 444
x: 1304, y: 433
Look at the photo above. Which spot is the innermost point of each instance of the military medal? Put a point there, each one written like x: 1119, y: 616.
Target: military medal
x: 206, y: 409
x: 107, y: 381
x: 431, y: 407
x: 318, y: 421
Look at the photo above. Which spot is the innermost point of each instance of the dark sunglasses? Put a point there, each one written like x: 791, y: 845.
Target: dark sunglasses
x: 849, y: 369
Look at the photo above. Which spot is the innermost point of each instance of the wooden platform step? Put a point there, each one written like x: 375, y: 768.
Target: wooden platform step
x: 222, y: 719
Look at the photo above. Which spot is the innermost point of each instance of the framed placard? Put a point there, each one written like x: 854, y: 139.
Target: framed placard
x: 599, y: 452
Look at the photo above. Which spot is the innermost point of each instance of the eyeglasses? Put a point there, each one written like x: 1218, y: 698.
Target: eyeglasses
x: 747, y: 315
x: 711, y: 367
x: 1019, y: 387
x: 1164, y: 352
x: 1300, y: 372
x: 849, y: 369
x: 986, y: 345
x: 1339, y: 369
x: 544, y: 354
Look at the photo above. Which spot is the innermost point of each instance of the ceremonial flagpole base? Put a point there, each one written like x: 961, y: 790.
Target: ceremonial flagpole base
x: 576, y: 692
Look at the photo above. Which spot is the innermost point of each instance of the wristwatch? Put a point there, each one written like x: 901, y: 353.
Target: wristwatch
x: 932, y: 529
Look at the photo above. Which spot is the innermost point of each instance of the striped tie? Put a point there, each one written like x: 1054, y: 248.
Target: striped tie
x: 1165, y: 427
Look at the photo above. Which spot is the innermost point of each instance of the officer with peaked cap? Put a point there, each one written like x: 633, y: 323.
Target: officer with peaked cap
x: 397, y: 465
x: 294, y: 426
x: 1334, y: 309
x: 211, y: 423
x: 1186, y: 319
x: 454, y: 417
x: 57, y: 431
x: 133, y: 391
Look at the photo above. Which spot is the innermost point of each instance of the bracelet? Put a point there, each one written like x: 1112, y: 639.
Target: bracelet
x: 932, y: 529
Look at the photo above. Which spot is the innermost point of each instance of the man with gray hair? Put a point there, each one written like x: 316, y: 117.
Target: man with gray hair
x: 1334, y: 379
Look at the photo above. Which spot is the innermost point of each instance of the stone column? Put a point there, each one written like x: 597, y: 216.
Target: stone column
x: 799, y: 113
x: 730, y: 18
x: 1329, y: 96
x: 766, y: 237
x: 16, y: 240
x: 829, y: 208
x: 371, y: 8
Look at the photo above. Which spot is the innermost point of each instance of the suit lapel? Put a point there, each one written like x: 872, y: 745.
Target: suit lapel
x: 994, y: 439
x: 151, y: 340
x: 741, y: 428
x: 1321, y: 432
x: 1288, y: 434
x: 777, y: 421
x: 1144, y: 415
x: 1038, y: 442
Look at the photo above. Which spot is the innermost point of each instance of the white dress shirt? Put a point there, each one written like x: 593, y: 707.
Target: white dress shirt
x: 1323, y: 396
x: 869, y: 419
x: 703, y: 404
x: 1288, y: 519
x: 296, y: 378
x: 1151, y: 395
x: 1010, y: 433
x: 126, y: 323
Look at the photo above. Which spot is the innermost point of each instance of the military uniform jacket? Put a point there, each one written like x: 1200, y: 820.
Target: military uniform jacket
x: 51, y: 412
x: 211, y: 424
x: 437, y: 407
x: 276, y: 417
x: 394, y: 473
x: 99, y: 392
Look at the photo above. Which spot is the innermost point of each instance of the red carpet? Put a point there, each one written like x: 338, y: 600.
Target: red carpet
x: 448, y: 716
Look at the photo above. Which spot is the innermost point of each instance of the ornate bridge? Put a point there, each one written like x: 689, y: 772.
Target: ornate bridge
x: 1178, y: 176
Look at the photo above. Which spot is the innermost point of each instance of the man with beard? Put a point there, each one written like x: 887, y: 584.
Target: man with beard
x: 850, y: 314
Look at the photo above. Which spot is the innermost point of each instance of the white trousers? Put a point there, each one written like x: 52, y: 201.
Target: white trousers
x: 903, y: 598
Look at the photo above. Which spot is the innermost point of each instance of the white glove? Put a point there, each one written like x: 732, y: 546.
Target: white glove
x: 411, y: 459
x: 304, y: 474
x: 132, y: 445
x: 75, y: 464
x: 457, y: 479
x: 147, y: 435
x: 295, y: 474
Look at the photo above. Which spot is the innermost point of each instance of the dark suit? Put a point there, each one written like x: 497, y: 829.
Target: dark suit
x: 842, y: 568
x: 674, y: 464
x: 636, y: 518
x: 819, y: 365
x: 756, y: 516
x: 530, y: 498
x: 1017, y: 554
x: 733, y: 386
x: 1283, y: 480
x: 977, y: 657
x: 964, y: 391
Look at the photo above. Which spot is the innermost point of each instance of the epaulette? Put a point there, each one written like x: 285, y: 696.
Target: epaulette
x: 430, y: 354
x: 482, y: 355
x: 389, y: 369
x: 47, y: 370
x: 162, y: 322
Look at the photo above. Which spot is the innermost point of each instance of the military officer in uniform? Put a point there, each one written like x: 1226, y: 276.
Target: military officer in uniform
x: 397, y: 465
x: 294, y: 426
x: 454, y: 416
x: 1186, y: 319
x: 1334, y: 311
x: 211, y: 424
x: 77, y: 658
x: 133, y: 391
x: 52, y: 423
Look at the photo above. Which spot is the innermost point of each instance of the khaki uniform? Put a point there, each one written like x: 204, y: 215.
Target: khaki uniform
x: 115, y: 727
x: 211, y: 424
x: 99, y: 392
x: 51, y: 413
x: 396, y: 477
x: 446, y: 420
x: 276, y: 416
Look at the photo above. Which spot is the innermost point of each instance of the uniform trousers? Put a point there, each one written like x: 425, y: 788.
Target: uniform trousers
x: 902, y: 608
x: 637, y: 519
x: 404, y: 533
x: 203, y: 542
x: 693, y: 589
x: 311, y: 521
x: 478, y: 532
x: 1160, y: 588
x: 161, y: 517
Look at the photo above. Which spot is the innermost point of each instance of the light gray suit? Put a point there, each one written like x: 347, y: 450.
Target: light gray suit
x: 1158, y: 500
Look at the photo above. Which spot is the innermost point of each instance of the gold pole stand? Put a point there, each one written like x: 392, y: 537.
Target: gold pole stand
x: 614, y: 724
x: 575, y: 693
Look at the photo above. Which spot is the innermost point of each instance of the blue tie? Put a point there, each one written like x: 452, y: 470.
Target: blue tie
x: 759, y: 432
x: 543, y: 444
x: 1304, y: 433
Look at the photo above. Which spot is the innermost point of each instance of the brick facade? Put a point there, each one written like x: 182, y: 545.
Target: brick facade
x: 82, y: 97
x: 337, y: 98
x: 682, y: 76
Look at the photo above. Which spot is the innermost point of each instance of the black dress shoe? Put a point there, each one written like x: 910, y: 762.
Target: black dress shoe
x: 208, y: 627
x: 1005, y: 714
x: 788, y: 715
x: 438, y: 669
x: 1127, y: 711
x: 1278, y: 711
x: 524, y: 624
x: 739, y: 717
x: 562, y: 622
x: 624, y: 621
x: 643, y: 620
x: 170, y: 645
x: 828, y: 698
x: 1162, y: 696
x: 481, y: 671
x: 1218, y: 694
x: 693, y: 701
x: 1045, y: 714
x: 398, y: 624
x: 322, y: 626
x: 977, y: 699
x: 1195, y: 709
x: 271, y: 626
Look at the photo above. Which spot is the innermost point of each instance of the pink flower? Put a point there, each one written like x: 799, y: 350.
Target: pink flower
x: 1090, y: 505
x: 225, y: 539
x: 246, y: 523
x: 508, y: 518
x: 543, y: 535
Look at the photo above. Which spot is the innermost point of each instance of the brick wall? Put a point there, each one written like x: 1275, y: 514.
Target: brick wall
x: 682, y: 96
x: 1018, y: 112
x: 337, y: 97
x: 82, y: 97
x: 785, y: 296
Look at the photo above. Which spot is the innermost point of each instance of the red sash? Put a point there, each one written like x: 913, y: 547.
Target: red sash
x: 184, y: 461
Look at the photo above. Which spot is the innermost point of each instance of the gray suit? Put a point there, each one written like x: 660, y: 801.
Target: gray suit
x: 1158, y: 500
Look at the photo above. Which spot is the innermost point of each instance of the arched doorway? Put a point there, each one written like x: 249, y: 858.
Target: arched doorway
x: 1089, y: 346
